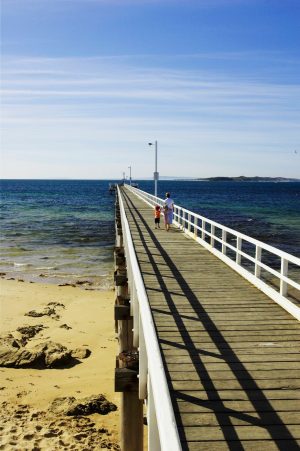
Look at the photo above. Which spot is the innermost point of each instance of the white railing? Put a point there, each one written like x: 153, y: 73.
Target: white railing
x: 201, y: 229
x: 162, y: 428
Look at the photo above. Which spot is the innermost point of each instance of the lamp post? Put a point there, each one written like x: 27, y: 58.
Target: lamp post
x: 155, y: 175
x: 129, y: 167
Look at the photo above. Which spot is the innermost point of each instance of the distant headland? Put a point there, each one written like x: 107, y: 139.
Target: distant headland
x: 242, y: 178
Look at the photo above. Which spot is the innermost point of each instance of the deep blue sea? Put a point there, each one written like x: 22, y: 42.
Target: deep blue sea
x: 62, y: 231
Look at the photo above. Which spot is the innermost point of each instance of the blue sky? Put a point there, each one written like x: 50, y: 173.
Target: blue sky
x: 88, y: 83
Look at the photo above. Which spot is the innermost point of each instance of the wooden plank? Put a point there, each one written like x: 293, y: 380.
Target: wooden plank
x: 232, y: 345
x: 238, y: 419
x: 217, y: 325
x: 229, y: 394
x: 228, y: 355
x: 246, y: 445
x: 195, y: 327
x: 222, y: 367
x: 167, y: 303
x: 285, y: 405
x: 213, y: 349
x: 203, y: 336
x: 242, y: 432
x: 245, y: 359
x: 283, y: 377
x: 223, y: 328
x: 237, y: 384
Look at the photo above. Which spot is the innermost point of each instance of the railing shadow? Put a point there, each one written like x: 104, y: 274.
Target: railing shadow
x: 268, y: 418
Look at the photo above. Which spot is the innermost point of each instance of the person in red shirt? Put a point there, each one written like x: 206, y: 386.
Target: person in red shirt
x: 157, y: 216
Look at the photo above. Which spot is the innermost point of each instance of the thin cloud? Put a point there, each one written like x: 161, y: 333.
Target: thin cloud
x: 100, y: 107
x: 122, y: 82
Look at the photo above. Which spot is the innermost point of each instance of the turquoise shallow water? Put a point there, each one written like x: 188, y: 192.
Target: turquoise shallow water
x: 62, y: 231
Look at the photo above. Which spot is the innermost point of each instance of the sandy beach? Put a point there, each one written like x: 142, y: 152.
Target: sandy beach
x: 77, y: 319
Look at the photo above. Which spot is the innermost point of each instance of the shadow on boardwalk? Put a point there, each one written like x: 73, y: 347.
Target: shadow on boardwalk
x: 262, y: 413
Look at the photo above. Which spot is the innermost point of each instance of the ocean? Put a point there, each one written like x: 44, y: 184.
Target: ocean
x: 62, y: 231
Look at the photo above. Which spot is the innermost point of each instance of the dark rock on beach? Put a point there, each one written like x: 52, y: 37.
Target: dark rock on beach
x: 29, y: 332
x: 46, y: 311
x: 9, y: 341
x: 65, y: 326
x: 81, y: 353
x: 86, y: 406
x: 83, y: 282
x: 67, y: 285
x: 53, y: 354
x: 56, y: 304
x: 44, y: 355
x: 49, y: 310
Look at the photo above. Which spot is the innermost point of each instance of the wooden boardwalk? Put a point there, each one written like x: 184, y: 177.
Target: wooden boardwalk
x: 231, y: 354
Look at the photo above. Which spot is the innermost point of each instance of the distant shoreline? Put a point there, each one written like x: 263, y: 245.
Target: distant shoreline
x: 249, y: 179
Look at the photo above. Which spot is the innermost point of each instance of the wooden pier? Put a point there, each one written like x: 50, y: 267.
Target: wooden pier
x: 230, y: 353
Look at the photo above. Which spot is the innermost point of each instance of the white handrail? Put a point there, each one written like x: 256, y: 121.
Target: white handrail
x: 187, y: 220
x: 150, y: 360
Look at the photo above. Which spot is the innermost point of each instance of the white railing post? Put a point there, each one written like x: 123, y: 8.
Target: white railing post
x: 132, y: 301
x: 143, y: 365
x: 257, y: 269
x: 224, y: 241
x: 189, y: 222
x: 129, y: 276
x: 238, y: 250
x: 195, y: 226
x: 136, y: 314
x: 153, y: 435
x: 203, y: 230
x: 212, y: 238
x: 176, y: 214
x: 284, y: 272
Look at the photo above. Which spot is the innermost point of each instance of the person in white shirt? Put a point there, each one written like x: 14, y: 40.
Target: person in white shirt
x: 168, y: 211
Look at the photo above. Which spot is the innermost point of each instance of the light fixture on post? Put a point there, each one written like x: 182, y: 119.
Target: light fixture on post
x: 155, y: 175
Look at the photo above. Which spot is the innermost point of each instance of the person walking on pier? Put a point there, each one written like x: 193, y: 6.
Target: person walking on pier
x: 157, y: 216
x: 168, y: 211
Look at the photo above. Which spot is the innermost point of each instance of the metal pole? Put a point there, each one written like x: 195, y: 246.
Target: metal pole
x: 129, y: 167
x: 155, y: 175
